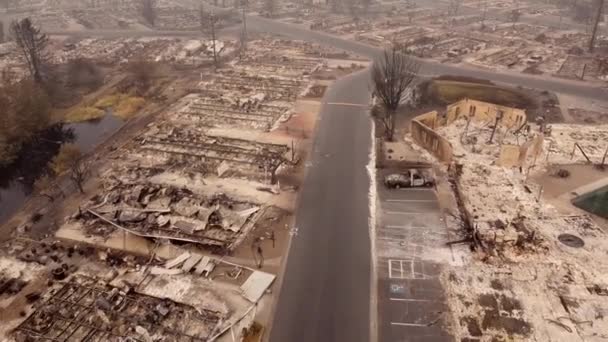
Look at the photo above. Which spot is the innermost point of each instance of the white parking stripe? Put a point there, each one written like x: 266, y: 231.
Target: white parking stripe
x: 409, y: 324
x: 405, y: 212
x: 412, y: 300
x: 408, y: 200
x: 415, y: 189
x: 347, y: 104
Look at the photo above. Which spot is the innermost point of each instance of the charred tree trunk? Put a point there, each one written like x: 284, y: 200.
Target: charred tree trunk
x: 32, y: 44
x: 598, y: 16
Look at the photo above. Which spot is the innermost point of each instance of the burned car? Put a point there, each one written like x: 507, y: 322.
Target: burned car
x: 412, y: 178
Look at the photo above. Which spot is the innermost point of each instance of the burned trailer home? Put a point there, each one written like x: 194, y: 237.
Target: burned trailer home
x: 183, y: 218
x: 85, y: 309
x: 170, y: 213
x: 214, y: 154
x: 221, y: 112
x: 169, y: 182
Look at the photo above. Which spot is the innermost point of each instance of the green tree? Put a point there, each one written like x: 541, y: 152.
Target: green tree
x: 26, y: 108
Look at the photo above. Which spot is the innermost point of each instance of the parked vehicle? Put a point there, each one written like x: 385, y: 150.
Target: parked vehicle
x: 412, y: 178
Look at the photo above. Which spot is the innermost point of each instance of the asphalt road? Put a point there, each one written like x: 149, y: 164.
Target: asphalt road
x: 431, y: 68
x: 325, y: 292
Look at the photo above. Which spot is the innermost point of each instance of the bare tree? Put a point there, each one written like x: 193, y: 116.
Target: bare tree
x: 514, y: 16
x: 598, y: 16
x: 392, y: 77
x: 142, y: 73
x: 70, y: 159
x: 366, y: 4
x: 79, y: 171
x: 243, y: 36
x: 209, y: 26
x: 46, y: 186
x: 270, y: 7
x: 484, y: 13
x: 32, y: 44
x: 454, y: 7
x: 410, y: 15
x: 82, y: 72
x: 353, y: 9
x: 335, y: 5
x: 148, y: 11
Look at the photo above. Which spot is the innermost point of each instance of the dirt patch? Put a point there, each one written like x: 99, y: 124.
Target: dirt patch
x: 445, y: 92
x: 536, y: 103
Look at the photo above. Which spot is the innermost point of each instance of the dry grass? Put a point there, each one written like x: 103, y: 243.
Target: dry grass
x: 67, y: 155
x: 129, y: 107
x: 123, y: 106
x: 254, y: 333
x: 84, y: 113
x: 110, y: 101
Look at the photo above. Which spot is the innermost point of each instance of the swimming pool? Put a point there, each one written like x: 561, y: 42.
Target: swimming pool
x: 595, y: 202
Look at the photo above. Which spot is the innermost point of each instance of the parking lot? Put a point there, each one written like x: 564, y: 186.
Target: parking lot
x: 410, y: 244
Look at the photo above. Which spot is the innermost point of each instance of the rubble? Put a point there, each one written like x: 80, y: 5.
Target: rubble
x: 482, y: 33
x: 122, y: 50
x: 216, y: 222
x: 118, y: 313
x: 531, y: 259
x: 179, y: 199
x: 139, y: 198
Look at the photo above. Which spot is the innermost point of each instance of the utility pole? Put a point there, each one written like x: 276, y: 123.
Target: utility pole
x: 243, y: 44
x: 210, y: 20
x: 483, y: 15
x: 598, y: 15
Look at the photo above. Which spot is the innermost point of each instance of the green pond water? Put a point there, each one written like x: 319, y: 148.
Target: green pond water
x: 595, y: 202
